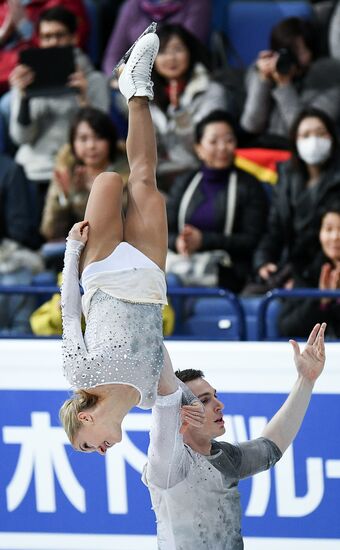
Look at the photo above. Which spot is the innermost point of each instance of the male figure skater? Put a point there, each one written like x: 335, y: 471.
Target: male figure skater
x: 193, y: 479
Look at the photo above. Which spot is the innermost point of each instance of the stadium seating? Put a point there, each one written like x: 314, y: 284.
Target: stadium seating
x: 214, y: 318
x: 251, y: 308
x: 44, y: 279
x: 246, y: 24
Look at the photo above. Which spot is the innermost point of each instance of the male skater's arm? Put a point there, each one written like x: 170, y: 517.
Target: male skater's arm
x: 286, y: 423
x: 256, y: 455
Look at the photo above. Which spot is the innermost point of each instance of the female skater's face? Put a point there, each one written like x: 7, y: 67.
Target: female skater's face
x: 330, y: 236
x: 217, y: 146
x: 173, y: 60
x: 96, y: 434
x: 90, y: 148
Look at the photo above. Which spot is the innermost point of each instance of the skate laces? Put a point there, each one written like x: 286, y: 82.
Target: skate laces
x: 142, y: 69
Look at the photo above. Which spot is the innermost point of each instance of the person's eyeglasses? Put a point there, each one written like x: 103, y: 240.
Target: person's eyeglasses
x: 54, y: 35
x: 173, y: 51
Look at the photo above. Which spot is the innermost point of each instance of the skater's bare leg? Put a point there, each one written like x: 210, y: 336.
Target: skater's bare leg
x: 104, y: 214
x: 145, y: 226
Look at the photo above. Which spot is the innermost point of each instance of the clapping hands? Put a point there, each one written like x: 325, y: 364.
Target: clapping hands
x: 329, y: 279
x: 189, y: 240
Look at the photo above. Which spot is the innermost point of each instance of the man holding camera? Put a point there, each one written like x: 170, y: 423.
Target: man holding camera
x: 17, y: 29
x: 39, y: 124
x: 288, y: 78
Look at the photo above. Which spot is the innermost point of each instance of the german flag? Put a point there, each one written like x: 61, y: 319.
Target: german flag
x: 261, y: 163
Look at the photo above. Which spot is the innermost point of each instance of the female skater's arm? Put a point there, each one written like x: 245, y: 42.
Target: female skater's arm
x: 168, y: 458
x: 169, y: 383
x: 70, y: 292
x: 167, y: 455
x: 284, y: 426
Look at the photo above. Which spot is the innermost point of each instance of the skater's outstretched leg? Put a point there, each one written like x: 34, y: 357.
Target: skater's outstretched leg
x: 145, y: 226
x: 104, y: 214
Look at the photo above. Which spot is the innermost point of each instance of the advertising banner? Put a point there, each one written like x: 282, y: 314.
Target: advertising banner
x: 52, y: 497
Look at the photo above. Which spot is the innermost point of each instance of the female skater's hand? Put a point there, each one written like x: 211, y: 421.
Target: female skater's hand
x: 80, y: 232
x: 311, y: 361
x: 192, y: 415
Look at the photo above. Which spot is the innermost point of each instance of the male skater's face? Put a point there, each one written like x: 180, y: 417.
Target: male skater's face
x: 214, y: 423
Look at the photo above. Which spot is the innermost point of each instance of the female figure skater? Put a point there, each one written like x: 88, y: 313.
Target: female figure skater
x: 118, y: 362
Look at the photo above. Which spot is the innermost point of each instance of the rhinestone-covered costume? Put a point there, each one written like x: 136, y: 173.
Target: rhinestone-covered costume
x: 195, y: 497
x: 122, y: 344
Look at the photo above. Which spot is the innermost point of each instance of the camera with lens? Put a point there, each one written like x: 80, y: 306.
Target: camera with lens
x: 286, y: 60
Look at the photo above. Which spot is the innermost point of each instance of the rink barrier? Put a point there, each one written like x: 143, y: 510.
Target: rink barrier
x: 178, y: 293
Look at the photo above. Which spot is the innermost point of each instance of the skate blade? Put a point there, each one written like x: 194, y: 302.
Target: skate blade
x: 150, y: 28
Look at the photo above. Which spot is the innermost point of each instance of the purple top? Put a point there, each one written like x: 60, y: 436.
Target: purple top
x: 132, y: 20
x: 212, y: 182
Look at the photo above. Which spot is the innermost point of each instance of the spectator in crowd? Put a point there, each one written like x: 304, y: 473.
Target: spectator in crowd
x: 92, y: 149
x: 106, y: 12
x: 216, y: 215
x: 306, y: 183
x: 136, y: 15
x: 39, y: 125
x: 18, y: 238
x: 184, y: 94
x: 334, y: 31
x: 297, y: 316
x: 287, y: 79
x: 18, y: 20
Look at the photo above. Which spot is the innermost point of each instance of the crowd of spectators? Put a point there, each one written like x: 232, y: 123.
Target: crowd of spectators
x: 226, y: 226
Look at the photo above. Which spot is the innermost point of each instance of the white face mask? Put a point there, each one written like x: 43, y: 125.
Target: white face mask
x: 313, y: 149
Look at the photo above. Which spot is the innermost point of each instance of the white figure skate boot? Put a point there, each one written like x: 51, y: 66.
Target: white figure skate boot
x: 123, y: 60
x: 135, y: 79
